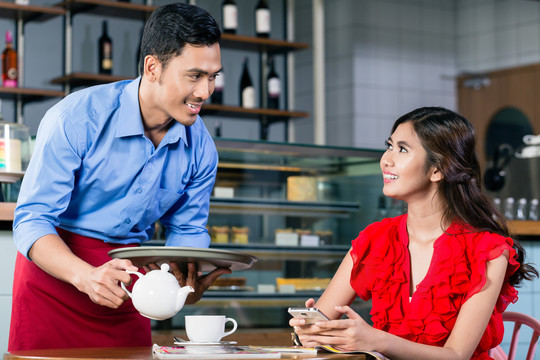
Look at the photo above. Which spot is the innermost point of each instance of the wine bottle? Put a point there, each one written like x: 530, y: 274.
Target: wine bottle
x: 217, y: 129
x: 229, y: 16
x: 247, y: 91
x: 262, y: 19
x: 273, y: 84
x: 217, y: 96
x: 105, y: 51
x: 10, y: 73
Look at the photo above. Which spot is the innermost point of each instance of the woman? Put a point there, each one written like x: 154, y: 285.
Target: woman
x: 440, y: 276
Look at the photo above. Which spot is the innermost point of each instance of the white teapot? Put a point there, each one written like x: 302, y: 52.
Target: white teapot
x: 157, y: 294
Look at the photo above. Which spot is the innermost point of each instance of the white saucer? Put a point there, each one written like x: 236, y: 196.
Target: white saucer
x: 192, y: 343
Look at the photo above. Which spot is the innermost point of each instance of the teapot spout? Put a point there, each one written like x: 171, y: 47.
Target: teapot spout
x: 182, y: 295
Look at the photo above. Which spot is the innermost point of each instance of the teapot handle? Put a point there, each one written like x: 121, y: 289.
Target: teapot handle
x: 130, y: 272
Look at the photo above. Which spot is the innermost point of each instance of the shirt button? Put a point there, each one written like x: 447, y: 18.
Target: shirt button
x: 127, y: 221
x: 138, y: 191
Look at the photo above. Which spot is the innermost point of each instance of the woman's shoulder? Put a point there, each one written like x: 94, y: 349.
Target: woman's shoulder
x: 386, y: 224
x: 477, y: 248
x: 478, y: 240
x: 379, y: 234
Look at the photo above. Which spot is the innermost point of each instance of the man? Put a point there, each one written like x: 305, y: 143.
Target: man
x: 108, y: 162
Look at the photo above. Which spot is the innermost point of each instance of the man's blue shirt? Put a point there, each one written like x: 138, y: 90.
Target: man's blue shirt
x: 95, y: 173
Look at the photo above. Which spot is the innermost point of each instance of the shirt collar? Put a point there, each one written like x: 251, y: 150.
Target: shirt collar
x: 133, y: 125
x: 176, y: 131
x: 129, y: 111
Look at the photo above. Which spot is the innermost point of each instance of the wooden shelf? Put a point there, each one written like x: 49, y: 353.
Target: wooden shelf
x: 237, y: 111
x: 87, y: 79
x: 6, y: 211
x: 252, y: 43
x: 526, y: 228
x: 28, y: 12
x: 28, y: 94
x: 108, y: 8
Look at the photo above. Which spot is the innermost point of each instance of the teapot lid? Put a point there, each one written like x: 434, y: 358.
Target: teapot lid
x: 165, y: 267
x: 161, y: 275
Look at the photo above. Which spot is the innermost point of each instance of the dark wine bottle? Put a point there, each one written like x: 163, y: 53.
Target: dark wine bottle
x: 105, y: 51
x: 229, y: 16
x: 217, y: 129
x: 247, y: 91
x: 219, y: 85
x: 273, y: 84
x: 262, y: 19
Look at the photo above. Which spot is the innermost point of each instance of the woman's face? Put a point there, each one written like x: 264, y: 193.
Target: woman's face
x: 404, y: 167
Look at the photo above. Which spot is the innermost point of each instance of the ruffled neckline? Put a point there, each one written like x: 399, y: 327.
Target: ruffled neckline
x: 403, y: 236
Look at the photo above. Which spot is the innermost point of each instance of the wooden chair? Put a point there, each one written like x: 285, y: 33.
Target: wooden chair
x: 518, y: 319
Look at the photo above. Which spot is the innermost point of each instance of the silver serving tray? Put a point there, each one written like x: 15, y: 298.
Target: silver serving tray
x: 207, y: 259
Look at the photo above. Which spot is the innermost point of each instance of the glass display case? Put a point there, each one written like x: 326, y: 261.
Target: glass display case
x: 271, y: 189
x: 296, y: 208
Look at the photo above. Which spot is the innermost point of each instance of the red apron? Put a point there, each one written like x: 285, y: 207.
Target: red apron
x: 49, y: 313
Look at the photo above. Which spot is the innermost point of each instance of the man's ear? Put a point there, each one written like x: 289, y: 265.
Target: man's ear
x: 152, y: 68
x: 436, y: 175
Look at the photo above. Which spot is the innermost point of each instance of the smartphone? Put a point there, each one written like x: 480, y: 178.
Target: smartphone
x: 312, y: 315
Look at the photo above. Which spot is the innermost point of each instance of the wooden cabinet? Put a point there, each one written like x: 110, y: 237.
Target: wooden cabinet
x: 482, y: 96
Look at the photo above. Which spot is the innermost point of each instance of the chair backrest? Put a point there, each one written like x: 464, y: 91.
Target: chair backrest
x: 518, y: 319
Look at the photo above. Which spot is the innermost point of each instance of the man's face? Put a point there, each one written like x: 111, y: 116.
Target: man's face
x: 187, y: 81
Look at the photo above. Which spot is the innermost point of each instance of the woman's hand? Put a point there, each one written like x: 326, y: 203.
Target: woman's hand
x: 305, y: 332
x: 346, y: 334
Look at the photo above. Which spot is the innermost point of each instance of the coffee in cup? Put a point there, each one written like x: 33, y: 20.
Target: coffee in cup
x: 208, y: 328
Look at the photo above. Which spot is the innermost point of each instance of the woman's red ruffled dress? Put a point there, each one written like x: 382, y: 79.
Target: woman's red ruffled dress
x: 457, y: 271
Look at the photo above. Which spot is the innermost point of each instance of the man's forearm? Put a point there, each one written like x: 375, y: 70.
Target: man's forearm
x: 54, y: 257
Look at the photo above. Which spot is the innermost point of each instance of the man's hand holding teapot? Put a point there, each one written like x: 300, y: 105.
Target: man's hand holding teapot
x: 101, y: 283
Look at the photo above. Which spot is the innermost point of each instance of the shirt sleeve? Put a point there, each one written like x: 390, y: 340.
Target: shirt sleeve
x: 48, y: 182
x: 185, y: 222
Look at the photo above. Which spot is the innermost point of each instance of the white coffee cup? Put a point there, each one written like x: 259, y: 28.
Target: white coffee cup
x: 208, y: 328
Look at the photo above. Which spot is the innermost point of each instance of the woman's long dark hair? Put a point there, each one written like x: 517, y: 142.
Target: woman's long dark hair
x: 449, y: 140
